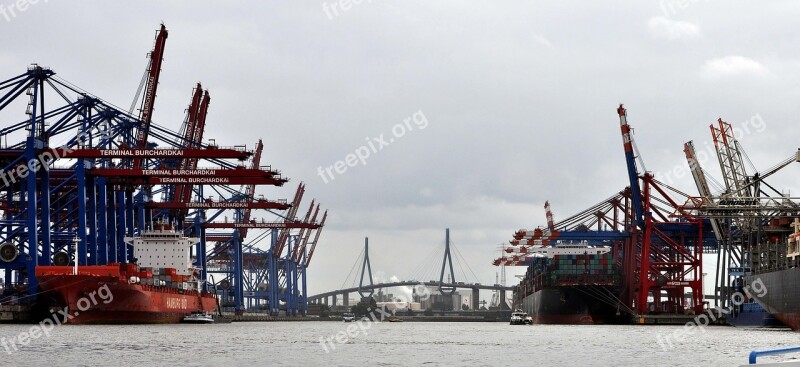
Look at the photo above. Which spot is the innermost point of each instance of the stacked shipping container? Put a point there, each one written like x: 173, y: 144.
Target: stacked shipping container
x: 564, y: 270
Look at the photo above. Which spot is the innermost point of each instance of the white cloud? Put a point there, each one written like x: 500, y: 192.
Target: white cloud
x: 731, y: 66
x: 8, y: 63
x: 673, y: 29
x: 541, y: 39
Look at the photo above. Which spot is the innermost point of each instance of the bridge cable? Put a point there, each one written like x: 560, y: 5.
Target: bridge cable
x: 458, y: 253
x: 417, y: 273
x: 355, y: 274
x: 458, y: 263
x: 355, y: 264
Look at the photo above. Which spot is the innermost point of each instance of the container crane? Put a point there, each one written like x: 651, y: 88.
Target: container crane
x: 661, y: 256
x: 725, y: 252
x: 738, y: 234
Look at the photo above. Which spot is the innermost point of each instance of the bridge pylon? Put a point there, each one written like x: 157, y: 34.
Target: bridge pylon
x: 366, y: 269
x: 447, y: 290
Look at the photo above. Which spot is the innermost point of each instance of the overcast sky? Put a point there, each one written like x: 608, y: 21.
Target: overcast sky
x: 517, y: 100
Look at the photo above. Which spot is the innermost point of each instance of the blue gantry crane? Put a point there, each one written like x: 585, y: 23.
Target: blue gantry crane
x: 79, y: 175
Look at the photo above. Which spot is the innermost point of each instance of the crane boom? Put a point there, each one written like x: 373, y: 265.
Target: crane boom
x: 729, y: 153
x: 251, y: 189
x: 701, y: 183
x: 148, y: 102
x: 191, y: 122
x: 200, y: 126
x: 760, y: 176
x: 182, y: 192
x: 302, y: 233
x: 549, y: 214
x: 633, y: 173
x: 284, y: 235
x: 316, y: 238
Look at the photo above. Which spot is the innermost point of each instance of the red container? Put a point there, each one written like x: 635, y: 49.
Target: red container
x: 169, y: 271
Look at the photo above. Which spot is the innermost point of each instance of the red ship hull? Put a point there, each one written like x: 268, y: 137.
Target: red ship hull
x: 101, y: 295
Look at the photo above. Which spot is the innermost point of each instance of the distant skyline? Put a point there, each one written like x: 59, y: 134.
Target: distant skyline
x: 500, y: 106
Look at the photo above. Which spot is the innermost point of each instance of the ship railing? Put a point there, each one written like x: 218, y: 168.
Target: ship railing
x: 771, y: 352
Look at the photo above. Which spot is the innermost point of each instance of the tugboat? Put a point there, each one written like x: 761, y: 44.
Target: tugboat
x: 518, y: 317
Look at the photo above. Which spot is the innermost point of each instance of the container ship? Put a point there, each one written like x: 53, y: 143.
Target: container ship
x: 161, y: 286
x: 777, y: 289
x: 571, y: 284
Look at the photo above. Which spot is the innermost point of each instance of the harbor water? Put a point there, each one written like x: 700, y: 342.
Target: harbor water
x: 387, y: 344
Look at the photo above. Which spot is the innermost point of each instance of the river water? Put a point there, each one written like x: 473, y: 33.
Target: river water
x: 386, y: 344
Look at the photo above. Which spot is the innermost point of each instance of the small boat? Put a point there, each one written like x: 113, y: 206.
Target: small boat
x: 198, y: 318
x: 519, y: 317
x: 394, y: 319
